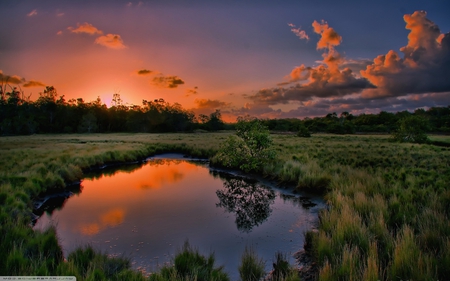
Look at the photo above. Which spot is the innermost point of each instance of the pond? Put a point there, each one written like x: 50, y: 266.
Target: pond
x: 147, y: 211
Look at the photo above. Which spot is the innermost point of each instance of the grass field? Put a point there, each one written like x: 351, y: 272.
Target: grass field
x: 388, y: 203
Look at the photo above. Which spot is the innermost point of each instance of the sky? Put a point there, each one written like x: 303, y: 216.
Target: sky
x: 269, y: 59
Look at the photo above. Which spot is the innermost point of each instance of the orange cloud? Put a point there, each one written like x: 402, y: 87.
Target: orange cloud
x: 425, y: 65
x: 326, y: 80
x: 8, y: 79
x: 85, y: 28
x: 424, y: 68
x: 112, y: 41
x: 211, y: 104
x: 423, y: 34
x: 170, y: 82
x: 329, y: 37
x: 298, y: 32
x: 33, y: 83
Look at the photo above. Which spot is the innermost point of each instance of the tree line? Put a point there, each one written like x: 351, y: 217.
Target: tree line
x: 434, y: 119
x: 51, y: 113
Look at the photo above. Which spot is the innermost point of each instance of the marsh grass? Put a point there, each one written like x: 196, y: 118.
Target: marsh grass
x: 374, y: 188
x: 387, y: 215
x: 189, y: 264
x: 282, y: 270
x: 252, y: 267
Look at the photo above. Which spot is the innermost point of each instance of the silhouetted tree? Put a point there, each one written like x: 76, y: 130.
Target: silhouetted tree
x: 88, y: 123
x: 215, y: 122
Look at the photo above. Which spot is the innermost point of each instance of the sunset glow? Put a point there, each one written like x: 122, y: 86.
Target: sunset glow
x: 267, y: 59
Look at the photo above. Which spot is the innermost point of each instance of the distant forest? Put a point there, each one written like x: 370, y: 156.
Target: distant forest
x: 52, y: 114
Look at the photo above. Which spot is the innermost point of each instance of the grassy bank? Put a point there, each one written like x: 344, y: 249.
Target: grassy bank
x: 34, y: 164
x: 388, y: 215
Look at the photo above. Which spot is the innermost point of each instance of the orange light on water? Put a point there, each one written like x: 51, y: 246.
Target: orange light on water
x: 123, y: 189
x: 111, y: 218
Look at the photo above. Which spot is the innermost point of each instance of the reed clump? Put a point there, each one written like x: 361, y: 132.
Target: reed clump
x: 189, y: 264
x: 252, y: 268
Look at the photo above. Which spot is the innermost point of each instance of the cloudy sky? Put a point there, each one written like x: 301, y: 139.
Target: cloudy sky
x: 266, y: 58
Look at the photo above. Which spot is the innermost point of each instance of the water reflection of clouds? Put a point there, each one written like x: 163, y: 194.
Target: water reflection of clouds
x: 156, y: 173
x: 160, y: 179
x: 111, y: 218
x: 113, y: 170
x: 168, y: 171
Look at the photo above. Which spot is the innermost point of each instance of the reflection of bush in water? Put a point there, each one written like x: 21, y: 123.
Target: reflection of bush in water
x: 250, y: 202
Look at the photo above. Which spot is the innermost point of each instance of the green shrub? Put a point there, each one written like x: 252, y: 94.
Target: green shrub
x: 303, y: 132
x: 249, y: 150
x: 412, y: 129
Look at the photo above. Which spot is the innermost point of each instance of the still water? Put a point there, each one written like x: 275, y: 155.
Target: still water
x: 146, y: 212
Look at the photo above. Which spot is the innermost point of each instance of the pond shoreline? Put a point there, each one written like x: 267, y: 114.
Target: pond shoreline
x: 304, y: 263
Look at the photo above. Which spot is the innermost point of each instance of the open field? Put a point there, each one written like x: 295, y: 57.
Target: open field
x: 388, y: 215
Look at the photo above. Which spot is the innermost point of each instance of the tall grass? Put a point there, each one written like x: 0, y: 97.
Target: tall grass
x: 282, y: 270
x: 387, y: 215
x: 252, y: 268
x: 189, y: 264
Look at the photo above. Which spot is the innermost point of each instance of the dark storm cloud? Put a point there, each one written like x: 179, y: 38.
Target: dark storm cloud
x: 322, y: 87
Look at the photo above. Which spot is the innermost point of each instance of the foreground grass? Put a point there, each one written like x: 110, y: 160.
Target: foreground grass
x: 388, y: 215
